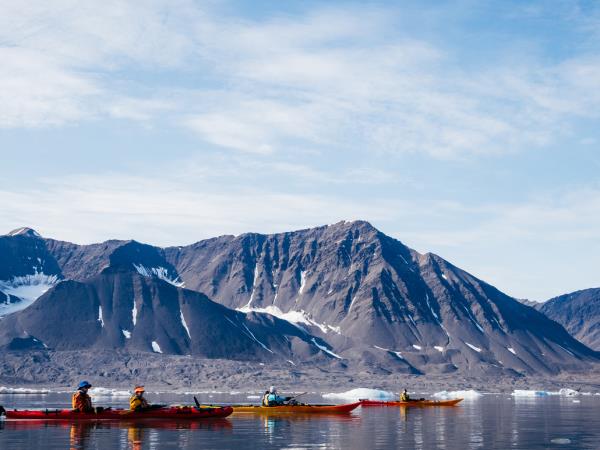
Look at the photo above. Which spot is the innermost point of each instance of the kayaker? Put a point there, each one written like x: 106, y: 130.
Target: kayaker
x: 404, y: 397
x: 81, y: 400
x: 275, y: 400
x: 265, y: 399
x: 137, y: 402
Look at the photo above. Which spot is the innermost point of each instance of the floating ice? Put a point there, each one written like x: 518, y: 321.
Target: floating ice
x: 362, y: 393
x: 11, y: 390
x: 467, y: 395
x: 253, y: 396
x: 566, y: 392
x: 529, y: 393
x: 108, y: 392
x: 560, y: 441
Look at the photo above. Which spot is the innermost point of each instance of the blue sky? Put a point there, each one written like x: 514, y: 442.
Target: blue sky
x: 470, y: 129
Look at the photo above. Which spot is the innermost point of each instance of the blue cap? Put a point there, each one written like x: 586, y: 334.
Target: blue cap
x: 84, y: 384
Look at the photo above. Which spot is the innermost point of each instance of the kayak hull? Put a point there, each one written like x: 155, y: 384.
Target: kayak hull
x: 415, y: 403
x: 177, y: 413
x: 296, y: 409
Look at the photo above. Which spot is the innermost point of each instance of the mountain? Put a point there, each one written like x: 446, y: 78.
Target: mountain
x: 27, y: 269
x: 122, y: 309
x: 579, y: 313
x: 353, y: 292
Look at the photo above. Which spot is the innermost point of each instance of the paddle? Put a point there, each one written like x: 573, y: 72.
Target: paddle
x: 295, y: 397
x: 197, y: 402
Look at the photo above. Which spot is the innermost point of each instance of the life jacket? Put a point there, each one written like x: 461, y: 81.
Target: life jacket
x: 136, y: 403
x: 81, y: 402
x: 274, y: 400
x: 404, y: 397
x: 265, y: 399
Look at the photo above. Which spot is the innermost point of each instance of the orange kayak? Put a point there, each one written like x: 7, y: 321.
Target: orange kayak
x: 412, y: 403
x: 296, y: 409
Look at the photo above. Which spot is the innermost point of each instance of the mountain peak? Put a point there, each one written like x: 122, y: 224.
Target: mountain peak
x: 25, y: 231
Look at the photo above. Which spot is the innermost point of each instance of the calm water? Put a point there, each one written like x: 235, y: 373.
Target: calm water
x: 490, y: 422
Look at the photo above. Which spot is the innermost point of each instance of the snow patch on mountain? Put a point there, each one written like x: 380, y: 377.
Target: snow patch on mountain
x: 325, y: 349
x: 184, y: 323
x: 398, y: 354
x: 477, y: 349
x: 159, y: 272
x: 294, y: 317
x: 156, y: 347
x: 27, y: 287
x: 100, y: 318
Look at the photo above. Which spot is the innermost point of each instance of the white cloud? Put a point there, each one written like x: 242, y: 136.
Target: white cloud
x: 329, y: 80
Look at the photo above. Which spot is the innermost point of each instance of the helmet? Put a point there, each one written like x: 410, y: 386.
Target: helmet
x: 272, y: 390
x: 139, y: 390
x: 84, y: 384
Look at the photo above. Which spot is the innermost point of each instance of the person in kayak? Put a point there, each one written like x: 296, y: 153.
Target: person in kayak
x: 404, y: 397
x: 137, y: 402
x: 273, y: 399
x: 81, y: 400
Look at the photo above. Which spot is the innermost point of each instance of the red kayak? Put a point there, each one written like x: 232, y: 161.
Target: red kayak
x: 421, y: 403
x: 171, y: 412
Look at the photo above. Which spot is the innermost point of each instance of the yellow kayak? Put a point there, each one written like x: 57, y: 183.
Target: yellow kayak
x: 296, y: 409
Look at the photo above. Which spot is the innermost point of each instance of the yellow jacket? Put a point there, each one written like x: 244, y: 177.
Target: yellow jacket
x: 136, y: 403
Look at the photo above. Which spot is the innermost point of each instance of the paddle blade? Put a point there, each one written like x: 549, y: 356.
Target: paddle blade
x: 197, y: 402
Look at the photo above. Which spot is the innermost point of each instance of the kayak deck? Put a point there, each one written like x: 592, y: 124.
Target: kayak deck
x: 296, y: 409
x: 179, y: 413
x: 412, y: 403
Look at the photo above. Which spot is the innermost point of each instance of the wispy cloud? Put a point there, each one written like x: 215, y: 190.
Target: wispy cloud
x: 327, y: 80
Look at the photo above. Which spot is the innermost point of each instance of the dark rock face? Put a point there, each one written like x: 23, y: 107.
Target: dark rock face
x: 352, y: 292
x: 372, y: 297
x: 579, y: 313
x: 121, y: 309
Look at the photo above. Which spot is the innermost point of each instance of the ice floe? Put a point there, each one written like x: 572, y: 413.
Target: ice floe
x: 467, y: 394
x: 11, y: 390
x: 108, y: 392
x: 362, y: 393
x: 564, y: 392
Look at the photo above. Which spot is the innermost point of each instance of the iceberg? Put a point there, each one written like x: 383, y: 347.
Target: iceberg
x: 467, y: 395
x: 362, y: 393
x: 9, y: 390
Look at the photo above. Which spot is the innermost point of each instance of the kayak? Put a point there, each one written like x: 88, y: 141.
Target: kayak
x: 452, y: 402
x: 296, y: 409
x: 172, y: 412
